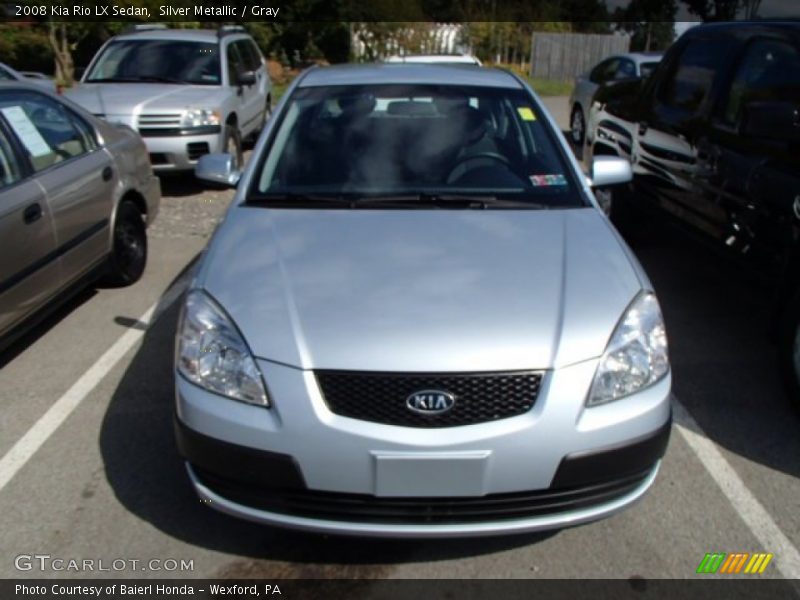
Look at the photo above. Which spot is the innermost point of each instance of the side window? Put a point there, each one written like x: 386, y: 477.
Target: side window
x: 47, y: 131
x: 10, y: 169
x: 249, y: 62
x: 626, y: 69
x: 692, y: 76
x: 598, y: 73
x: 6, y: 75
x: 258, y: 60
x: 769, y: 70
x: 235, y: 64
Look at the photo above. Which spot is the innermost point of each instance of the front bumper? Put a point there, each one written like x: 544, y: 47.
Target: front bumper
x: 181, y: 152
x: 299, y: 465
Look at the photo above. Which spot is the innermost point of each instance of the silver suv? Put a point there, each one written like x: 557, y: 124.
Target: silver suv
x: 188, y: 92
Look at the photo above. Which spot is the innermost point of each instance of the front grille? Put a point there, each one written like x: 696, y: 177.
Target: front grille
x: 166, y: 120
x: 381, y: 397
x: 364, y: 508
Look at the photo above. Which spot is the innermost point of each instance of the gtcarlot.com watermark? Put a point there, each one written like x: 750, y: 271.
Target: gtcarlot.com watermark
x: 46, y: 562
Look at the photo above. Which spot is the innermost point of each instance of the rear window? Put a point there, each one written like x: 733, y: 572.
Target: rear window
x: 409, y: 139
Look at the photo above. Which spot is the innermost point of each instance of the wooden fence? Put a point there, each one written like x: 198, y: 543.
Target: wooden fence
x: 564, y: 56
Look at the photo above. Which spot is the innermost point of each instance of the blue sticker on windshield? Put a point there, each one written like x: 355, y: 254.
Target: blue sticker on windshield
x: 546, y: 180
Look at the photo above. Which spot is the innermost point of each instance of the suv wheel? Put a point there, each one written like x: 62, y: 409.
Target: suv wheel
x: 267, y: 113
x: 577, y: 126
x: 129, y: 250
x: 790, y: 351
x: 233, y: 145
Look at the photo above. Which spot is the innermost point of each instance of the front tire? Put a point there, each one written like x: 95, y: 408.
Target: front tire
x: 577, y: 126
x: 790, y: 351
x: 129, y: 249
x: 233, y: 145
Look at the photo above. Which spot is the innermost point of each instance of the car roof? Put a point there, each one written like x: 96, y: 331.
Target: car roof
x: 744, y: 28
x: 434, y: 58
x: 401, y: 73
x: 641, y: 56
x: 192, y: 35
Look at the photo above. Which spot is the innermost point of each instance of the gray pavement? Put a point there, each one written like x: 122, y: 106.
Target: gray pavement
x: 107, y: 484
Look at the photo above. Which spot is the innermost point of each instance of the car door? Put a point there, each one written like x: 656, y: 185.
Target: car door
x: 665, y: 146
x: 29, y: 265
x: 250, y: 101
x: 78, y: 178
x: 754, y: 176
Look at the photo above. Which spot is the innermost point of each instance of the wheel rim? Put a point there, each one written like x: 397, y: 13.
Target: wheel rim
x: 130, y: 247
x: 577, y: 126
x: 233, y: 149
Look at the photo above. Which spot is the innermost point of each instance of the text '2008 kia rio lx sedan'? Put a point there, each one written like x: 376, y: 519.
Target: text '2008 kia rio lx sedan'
x: 415, y: 321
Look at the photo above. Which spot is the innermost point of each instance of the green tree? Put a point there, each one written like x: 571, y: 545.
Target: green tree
x: 723, y: 10
x: 650, y: 23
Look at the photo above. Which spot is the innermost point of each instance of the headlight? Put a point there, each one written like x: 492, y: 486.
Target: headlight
x: 636, y: 356
x: 212, y: 353
x: 200, y: 117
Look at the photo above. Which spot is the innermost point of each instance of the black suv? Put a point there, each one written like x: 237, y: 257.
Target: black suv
x: 714, y: 138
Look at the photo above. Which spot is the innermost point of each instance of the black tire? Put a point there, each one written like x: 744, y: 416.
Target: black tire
x: 790, y: 351
x: 129, y: 250
x: 577, y: 127
x: 233, y: 145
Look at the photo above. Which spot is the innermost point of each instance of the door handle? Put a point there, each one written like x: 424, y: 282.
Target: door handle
x: 108, y: 172
x: 32, y: 213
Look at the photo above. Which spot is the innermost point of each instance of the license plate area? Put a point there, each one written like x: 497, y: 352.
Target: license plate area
x: 430, y: 474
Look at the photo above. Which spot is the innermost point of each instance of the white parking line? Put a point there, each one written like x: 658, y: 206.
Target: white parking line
x: 751, y: 511
x: 21, y: 452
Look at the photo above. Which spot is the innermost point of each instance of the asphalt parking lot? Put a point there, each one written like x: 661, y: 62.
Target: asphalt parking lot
x: 89, y: 469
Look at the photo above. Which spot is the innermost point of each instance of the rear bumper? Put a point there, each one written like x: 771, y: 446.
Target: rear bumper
x: 269, y: 488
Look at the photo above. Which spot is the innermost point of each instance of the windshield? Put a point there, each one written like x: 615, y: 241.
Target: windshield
x: 646, y: 69
x: 167, y: 61
x: 406, y: 142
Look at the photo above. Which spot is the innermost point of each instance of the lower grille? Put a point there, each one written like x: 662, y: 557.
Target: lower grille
x: 364, y: 508
x: 158, y: 158
x: 196, y: 149
x: 381, y: 397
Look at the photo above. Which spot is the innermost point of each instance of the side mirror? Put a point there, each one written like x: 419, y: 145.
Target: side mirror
x: 218, y: 169
x: 610, y: 170
x: 775, y: 119
x: 247, y: 78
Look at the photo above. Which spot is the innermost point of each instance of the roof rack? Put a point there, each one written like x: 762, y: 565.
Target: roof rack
x: 230, y: 29
x: 145, y: 27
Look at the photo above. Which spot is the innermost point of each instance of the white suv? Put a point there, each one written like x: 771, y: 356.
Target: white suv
x: 188, y: 92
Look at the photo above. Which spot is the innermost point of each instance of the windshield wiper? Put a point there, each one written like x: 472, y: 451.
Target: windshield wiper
x: 431, y: 200
x: 293, y: 199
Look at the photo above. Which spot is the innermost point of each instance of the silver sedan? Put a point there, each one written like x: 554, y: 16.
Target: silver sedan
x: 613, y: 68
x: 76, y: 195
x: 415, y: 320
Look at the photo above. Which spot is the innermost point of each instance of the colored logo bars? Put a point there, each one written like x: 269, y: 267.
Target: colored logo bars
x: 735, y: 562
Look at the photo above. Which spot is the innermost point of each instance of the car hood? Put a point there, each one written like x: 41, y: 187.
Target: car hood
x: 125, y: 99
x: 420, y: 290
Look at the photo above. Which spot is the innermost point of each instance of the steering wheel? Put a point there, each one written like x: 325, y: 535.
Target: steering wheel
x: 486, y: 155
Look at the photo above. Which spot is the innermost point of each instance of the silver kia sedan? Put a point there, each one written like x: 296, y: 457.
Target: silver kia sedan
x: 414, y: 319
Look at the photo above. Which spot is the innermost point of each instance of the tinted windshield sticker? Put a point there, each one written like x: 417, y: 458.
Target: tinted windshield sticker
x: 526, y: 113
x: 545, y: 180
x: 27, y: 132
